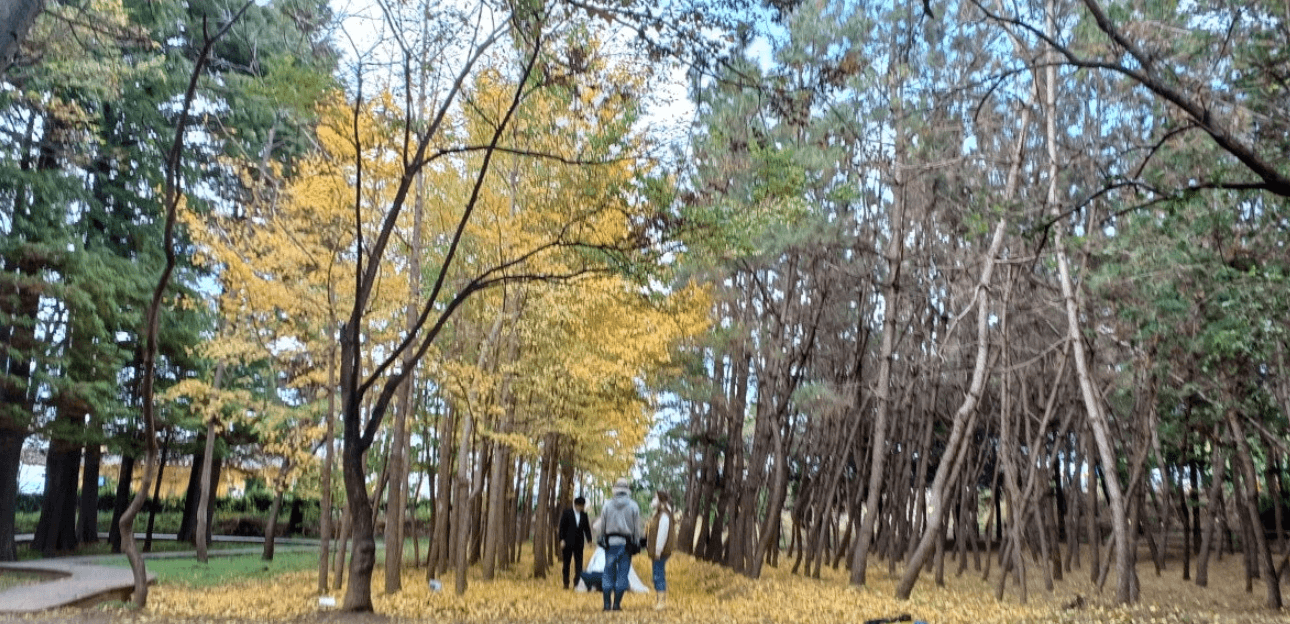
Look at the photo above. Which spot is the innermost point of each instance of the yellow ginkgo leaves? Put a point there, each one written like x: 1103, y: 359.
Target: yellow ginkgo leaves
x: 702, y: 593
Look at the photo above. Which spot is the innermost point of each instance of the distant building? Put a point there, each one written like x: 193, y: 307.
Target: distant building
x: 174, y: 479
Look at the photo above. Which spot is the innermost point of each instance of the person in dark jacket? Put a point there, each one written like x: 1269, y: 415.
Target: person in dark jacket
x: 575, y: 532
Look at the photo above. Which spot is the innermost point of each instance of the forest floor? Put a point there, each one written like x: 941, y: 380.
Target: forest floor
x: 703, y: 593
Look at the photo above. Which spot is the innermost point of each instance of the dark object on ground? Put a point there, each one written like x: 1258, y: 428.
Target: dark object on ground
x: 904, y: 617
x: 1077, y: 603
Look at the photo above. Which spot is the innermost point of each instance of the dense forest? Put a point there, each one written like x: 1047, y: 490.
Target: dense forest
x: 1002, y: 283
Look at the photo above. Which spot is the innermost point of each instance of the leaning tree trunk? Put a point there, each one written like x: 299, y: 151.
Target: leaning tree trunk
x: 1092, y: 400
x: 152, y: 324
x: 967, y: 409
x: 956, y: 447
x: 1101, y: 437
x: 891, y: 296
x: 126, y: 524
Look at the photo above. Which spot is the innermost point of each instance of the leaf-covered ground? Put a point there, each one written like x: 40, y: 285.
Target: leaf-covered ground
x: 704, y: 593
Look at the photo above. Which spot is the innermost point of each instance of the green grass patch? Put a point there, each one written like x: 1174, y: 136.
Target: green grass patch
x: 169, y: 521
x: 166, y: 521
x: 25, y: 521
x: 25, y: 553
x: 219, y: 570
x: 14, y: 578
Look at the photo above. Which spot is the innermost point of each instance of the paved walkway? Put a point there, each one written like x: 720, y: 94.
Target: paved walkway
x: 87, y: 581
x: 75, y: 585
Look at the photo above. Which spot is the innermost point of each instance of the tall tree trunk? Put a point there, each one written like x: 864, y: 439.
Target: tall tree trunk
x: 465, y: 494
x: 358, y: 593
x: 1092, y: 401
x: 1076, y: 500
x: 495, y: 525
x: 1272, y: 476
x: 87, y: 525
x: 325, y: 529
x: 891, y: 295
x: 56, y: 530
x: 396, y: 499
x: 401, y: 433
x: 193, y: 495
x: 11, y: 440
x: 121, y: 499
x: 439, y: 557
x: 156, y: 494
x: 1249, y: 495
x: 271, y: 525
x: 778, y: 490
x: 1210, y: 533
x: 18, y: 335
x: 201, y: 533
x: 1185, y: 515
x: 735, y: 461
x: 495, y: 516
x: 542, y: 526
x: 342, y: 548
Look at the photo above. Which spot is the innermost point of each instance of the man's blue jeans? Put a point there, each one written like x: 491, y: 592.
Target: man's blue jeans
x: 618, y: 565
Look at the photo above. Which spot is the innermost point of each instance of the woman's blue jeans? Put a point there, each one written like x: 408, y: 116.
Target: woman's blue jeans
x: 660, y: 574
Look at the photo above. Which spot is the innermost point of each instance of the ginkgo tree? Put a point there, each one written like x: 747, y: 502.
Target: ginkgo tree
x: 557, y: 376
x: 552, y: 359
x: 483, y: 117
x: 278, y: 257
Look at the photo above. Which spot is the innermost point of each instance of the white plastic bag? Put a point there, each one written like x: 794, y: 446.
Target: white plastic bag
x: 597, y: 564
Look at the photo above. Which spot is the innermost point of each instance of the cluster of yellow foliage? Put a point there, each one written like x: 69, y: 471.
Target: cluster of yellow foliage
x: 700, y: 592
x: 558, y: 343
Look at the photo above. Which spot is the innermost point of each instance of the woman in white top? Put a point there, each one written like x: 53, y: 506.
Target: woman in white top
x: 660, y: 539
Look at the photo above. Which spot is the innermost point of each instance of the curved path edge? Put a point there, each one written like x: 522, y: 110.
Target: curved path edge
x: 83, y: 582
x: 77, y: 585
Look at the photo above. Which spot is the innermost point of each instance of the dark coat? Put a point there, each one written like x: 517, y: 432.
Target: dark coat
x: 572, y: 532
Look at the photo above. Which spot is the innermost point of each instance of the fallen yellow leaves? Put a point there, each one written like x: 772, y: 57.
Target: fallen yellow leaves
x: 703, y: 593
